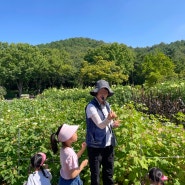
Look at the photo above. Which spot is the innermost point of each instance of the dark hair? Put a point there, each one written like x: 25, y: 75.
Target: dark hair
x: 36, y: 163
x: 155, y: 174
x: 54, y: 141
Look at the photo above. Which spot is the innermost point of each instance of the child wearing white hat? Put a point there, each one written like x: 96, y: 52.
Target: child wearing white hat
x: 70, y: 170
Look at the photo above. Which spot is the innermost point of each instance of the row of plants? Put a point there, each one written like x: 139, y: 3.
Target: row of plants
x: 144, y: 140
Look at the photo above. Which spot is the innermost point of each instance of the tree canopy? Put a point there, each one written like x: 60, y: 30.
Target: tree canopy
x: 157, y: 67
x: 81, y: 61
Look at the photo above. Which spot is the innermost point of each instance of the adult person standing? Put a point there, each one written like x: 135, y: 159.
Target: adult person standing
x: 100, y: 137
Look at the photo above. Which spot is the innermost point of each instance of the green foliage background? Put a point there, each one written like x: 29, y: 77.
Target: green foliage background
x: 80, y: 62
x: 144, y: 140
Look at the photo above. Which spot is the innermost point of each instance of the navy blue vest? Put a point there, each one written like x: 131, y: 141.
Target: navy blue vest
x: 96, y: 137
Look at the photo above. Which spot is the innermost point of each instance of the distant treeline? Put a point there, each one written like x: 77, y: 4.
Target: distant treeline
x: 80, y: 62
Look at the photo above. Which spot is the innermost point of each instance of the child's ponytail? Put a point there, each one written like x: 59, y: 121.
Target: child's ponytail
x: 54, y: 141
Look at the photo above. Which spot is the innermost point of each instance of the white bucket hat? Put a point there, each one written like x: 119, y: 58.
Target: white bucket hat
x: 66, y: 132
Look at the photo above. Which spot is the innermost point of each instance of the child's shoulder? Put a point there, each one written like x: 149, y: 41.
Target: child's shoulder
x: 67, y: 151
x: 31, y: 175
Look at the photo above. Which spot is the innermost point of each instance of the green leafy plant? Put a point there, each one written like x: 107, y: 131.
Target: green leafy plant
x: 144, y: 140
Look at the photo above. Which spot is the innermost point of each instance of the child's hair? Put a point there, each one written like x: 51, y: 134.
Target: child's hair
x: 54, y: 141
x: 156, y: 175
x: 36, y: 162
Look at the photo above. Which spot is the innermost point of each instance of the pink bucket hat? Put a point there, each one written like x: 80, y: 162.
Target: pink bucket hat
x: 43, y: 158
x: 66, y: 132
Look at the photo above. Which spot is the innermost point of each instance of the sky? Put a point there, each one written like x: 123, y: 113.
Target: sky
x: 135, y: 23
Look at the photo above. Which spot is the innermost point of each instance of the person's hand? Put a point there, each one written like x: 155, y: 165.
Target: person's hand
x: 116, y: 123
x: 84, y: 145
x: 85, y: 162
x: 111, y: 115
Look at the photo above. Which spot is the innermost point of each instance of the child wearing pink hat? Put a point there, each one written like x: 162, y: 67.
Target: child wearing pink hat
x: 156, y: 176
x: 40, y: 176
x: 70, y: 170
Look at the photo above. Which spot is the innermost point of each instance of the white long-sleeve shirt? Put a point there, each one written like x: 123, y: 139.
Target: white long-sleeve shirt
x: 92, y: 113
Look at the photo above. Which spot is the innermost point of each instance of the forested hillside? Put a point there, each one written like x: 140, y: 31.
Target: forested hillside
x: 76, y: 47
x: 175, y: 51
x: 79, y: 62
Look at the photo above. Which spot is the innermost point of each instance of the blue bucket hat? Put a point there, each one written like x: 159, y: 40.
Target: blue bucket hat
x: 99, y: 85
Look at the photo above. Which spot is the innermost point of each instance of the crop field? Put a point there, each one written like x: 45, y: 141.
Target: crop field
x: 145, y: 138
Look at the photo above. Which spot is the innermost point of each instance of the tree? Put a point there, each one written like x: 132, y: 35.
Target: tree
x: 102, y: 69
x: 120, y: 54
x: 157, y: 68
x: 61, y: 71
x: 19, y: 63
